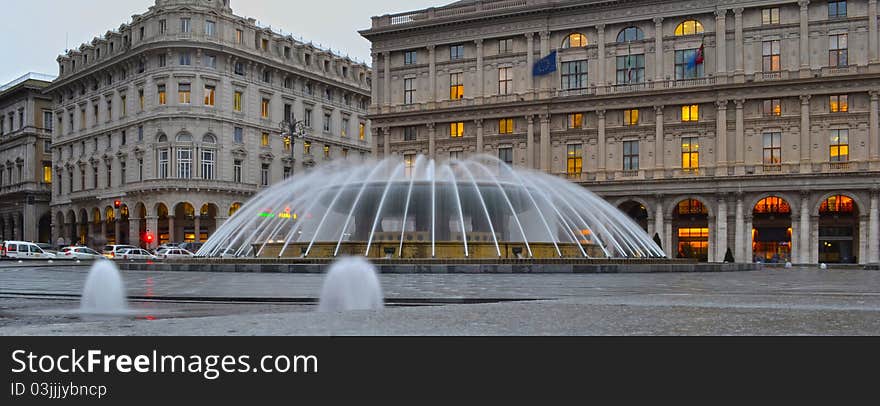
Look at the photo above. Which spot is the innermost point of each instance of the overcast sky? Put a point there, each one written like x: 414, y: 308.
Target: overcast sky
x: 37, y: 31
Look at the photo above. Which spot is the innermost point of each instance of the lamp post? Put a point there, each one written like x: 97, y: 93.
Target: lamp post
x: 293, y: 129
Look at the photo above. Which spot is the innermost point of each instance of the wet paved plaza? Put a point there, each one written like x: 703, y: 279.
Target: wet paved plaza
x: 39, y: 300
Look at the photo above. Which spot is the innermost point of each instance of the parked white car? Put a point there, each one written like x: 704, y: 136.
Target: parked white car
x: 24, y: 250
x: 174, y: 253
x: 112, y: 251
x: 79, y: 253
x: 135, y: 254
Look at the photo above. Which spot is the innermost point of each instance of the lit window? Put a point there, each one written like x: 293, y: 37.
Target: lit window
x: 184, y: 93
x: 362, y: 131
x: 772, y: 205
x: 456, y: 130
x: 772, y: 148
x: 264, y: 108
x: 772, y: 108
x: 236, y: 102
x: 47, y: 173
x: 692, y: 206
x: 505, y: 126
x: 307, y: 148
x: 689, y: 27
x: 161, y: 93
x: 326, y: 152
x: 839, y: 104
x: 575, y: 121
x: 456, y: 86
x: 264, y: 140
x: 575, y: 40
x: 770, y: 16
x: 409, y: 162
x: 690, y: 113
x: 209, y: 95
x: 631, y: 117
x: 839, y: 145
x: 690, y: 153
x: 630, y: 155
x: 837, y: 204
x: 575, y: 160
x: 239, y: 37
x: 771, y: 56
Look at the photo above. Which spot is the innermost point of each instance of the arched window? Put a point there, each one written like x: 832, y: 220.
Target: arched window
x: 689, y: 27
x: 575, y: 40
x: 837, y: 205
x: 692, y: 206
x: 772, y: 205
x: 209, y: 139
x: 234, y: 208
x: 162, y: 138
x: 184, y: 137
x: 630, y: 34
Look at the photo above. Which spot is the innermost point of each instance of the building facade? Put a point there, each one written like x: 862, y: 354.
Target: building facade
x: 26, y: 118
x: 748, y: 126
x: 167, y: 125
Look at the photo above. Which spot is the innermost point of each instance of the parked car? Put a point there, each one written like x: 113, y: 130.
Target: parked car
x: 24, y: 250
x: 135, y: 254
x: 79, y: 253
x: 46, y: 247
x: 174, y: 253
x: 111, y: 251
x: 191, y: 246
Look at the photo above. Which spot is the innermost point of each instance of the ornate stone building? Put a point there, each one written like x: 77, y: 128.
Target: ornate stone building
x: 169, y: 123
x: 742, y: 125
x: 25, y: 159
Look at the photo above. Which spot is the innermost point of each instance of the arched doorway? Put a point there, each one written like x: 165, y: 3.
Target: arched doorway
x: 184, y: 223
x: 637, y: 212
x: 771, y: 230
x: 110, y: 226
x: 83, y: 235
x: 162, y: 233
x: 44, y: 229
x: 838, y: 230
x: 3, y: 235
x: 691, y: 222
x: 234, y: 208
x: 124, y: 230
x: 72, y: 235
x: 207, y: 221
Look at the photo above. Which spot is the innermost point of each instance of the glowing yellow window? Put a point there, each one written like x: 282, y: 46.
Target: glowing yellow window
x: 839, y: 104
x: 630, y: 117
x: 209, y: 95
x: 236, y: 102
x: 689, y: 27
x: 362, y: 131
x: 162, y: 99
x: 264, y: 109
x: 505, y: 126
x: 307, y: 148
x: 456, y: 86
x: 264, y: 140
x: 575, y: 160
x: 575, y: 40
x: 456, y: 130
x: 690, y: 113
x: 839, y: 145
x: 575, y: 120
x: 184, y: 93
x: 47, y: 173
x: 287, y: 144
x: 690, y: 153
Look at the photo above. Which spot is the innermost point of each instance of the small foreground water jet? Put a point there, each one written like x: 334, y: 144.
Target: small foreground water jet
x: 351, y: 284
x: 104, y: 292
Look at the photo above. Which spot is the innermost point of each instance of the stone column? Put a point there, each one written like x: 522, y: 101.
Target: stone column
x: 197, y: 227
x: 374, y: 144
x: 386, y: 138
x: 739, y: 52
x: 104, y: 230
x: 600, y: 74
x: 530, y: 143
x: 740, y: 138
x: 545, y: 50
x: 170, y: 230
x: 153, y: 227
x: 805, y: 37
x: 874, y: 125
x: 658, y: 224
x: 805, y: 134
x: 530, y: 61
x: 602, y: 147
x: 432, y: 136
x: 863, y: 240
x: 481, y: 82
x: 134, y: 232
x: 671, y: 252
x: 432, y: 73
x: 721, y: 137
x: 873, y: 51
x: 117, y: 227
x: 805, y: 230
x: 721, y: 42
x: 749, y: 252
x: 739, y: 231
x: 479, y: 124
x: 713, y: 225
x: 386, y: 81
x: 721, y: 230
x: 658, y: 49
x: 874, y: 229
x: 29, y: 229
x: 375, y: 88
x: 545, y: 143
x: 659, y: 147
x: 813, y: 249
x: 16, y: 225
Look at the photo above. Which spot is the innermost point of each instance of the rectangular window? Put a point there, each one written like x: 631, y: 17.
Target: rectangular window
x: 140, y: 169
x: 505, y: 126
x: 307, y: 118
x: 163, y: 164
x: 185, y: 25
x: 239, y: 69
x: 47, y: 172
x: 163, y: 26
x: 161, y: 93
x: 771, y: 58
x: 505, y: 46
x: 264, y: 140
x: 236, y: 102
x: 109, y: 175
x: 264, y: 108
x: 140, y: 99
x: 267, y: 76
x: 772, y: 108
x: 690, y: 153
x: 184, y: 93
x: 184, y: 163
x: 690, y: 113
x: 839, y: 145
x: 630, y: 69
x: 836, y: 9
x: 409, y: 91
x: 410, y: 58
x: 456, y: 52
x: 236, y: 171
x: 772, y: 148
x: 506, y: 155
x: 505, y: 80
x: 839, y: 104
x: 630, y: 155
x: 123, y: 105
x: 362, y: 131
x: 209, y: 95
x: 575, y: 160
x: 239, y: 37
x: 770, y: 16
x: 344, y: 131
x: 456, y: 86
x: 410, y: 133
x: 264, y: 175
x: 409, y: 162
x: 326, y: 151
x: 455, y: 155
x: 307, y: 148
x: 109, y: 110
x: 264, y: 44
x: 574, y: 75
x: 140, y: 133
x: 211, y: 61
x: 48, y: 121
x: 575, y: 121
x: 185, y: 59
x: 238, y: 135
x: 163, y: 60
x: 630, y: 117
x: 838, y: 52
x: 689, y: 64
x: 327, y: 127
x: 210, y: 27
x: 456, y: 130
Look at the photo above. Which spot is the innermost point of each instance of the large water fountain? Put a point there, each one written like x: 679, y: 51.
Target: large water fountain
x: 477, y: 208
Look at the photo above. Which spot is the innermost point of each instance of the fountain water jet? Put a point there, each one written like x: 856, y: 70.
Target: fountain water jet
x: 104, y: 292
x: 351, y: 284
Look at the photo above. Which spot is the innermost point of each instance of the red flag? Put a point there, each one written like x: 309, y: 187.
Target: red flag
x: 701, y: 54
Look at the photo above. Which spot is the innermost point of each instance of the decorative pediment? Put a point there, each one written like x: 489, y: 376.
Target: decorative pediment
x: 139, y: 151
x: 107, y: 158
x: 267, y: 157
x: 121, y: 156
x: 239, y: 152
x: 288, y: 160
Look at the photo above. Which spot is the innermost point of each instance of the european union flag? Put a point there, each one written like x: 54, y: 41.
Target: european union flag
x: 545, y: 65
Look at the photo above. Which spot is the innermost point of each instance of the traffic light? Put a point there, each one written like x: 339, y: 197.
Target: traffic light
x: 148, y: 237
x: 117, y: 203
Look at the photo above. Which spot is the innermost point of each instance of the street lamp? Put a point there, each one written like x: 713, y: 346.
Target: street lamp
x: 293, y: 129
